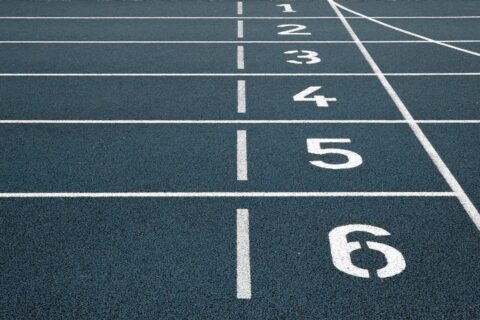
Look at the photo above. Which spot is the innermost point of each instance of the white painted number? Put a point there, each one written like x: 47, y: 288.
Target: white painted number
x: 311, y: 57
x: 321, y: 101
x: 341, y: 251
x: 314, y: 146
x: 294, y: 30
x: 287, y: 8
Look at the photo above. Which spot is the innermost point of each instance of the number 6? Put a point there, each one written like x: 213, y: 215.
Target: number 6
x: 341, y: 251
x: 314, y: 147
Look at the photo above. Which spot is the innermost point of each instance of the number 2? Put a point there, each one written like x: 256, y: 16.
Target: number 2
x: 294, y: 28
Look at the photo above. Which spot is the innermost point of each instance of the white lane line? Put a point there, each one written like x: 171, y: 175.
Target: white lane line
x: 240, y: 58
x: 239, y: 8
x: 224, y: 41
x: 222, y: 194
x: 221, y: 18
x: 242, y: 161
x: 241, y: 109
x: 244, y: 286
x: 437, y: 160
x: 239, y: 29
x: 416, y: 35
x: 327, y: 74
x: 241, y: 97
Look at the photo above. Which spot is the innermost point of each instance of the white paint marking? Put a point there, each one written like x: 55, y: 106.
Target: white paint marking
x: 244, y: 286
x: 240, y: 58
x: 216, y: 122
x: 223, y: 41
x: 441, y: 166
x: 326, y: 74
x: 220, y: 194
x: 239, y: 8
x: 407, y: 32
x: 242, y: 164
x: 239, y: 29
x: 221, y: 18
x: 241, y: 97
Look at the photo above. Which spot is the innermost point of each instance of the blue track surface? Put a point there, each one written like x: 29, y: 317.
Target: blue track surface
x: 150, y: 170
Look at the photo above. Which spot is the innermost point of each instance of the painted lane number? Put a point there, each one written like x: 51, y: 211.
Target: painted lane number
x: 321, y: 101
x: 293, y: 29
x: 309, y: 57
x: 314, y: 146
x: 287, y: 8
x: 341, y: 250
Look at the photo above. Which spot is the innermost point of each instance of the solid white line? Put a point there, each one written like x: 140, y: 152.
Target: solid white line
x: 239, y: 8
x: 437, y: 160
x: 239, y: 29
x: 223, y: 41
x: 241, y: 97
x: 242, y: 161
x: 221, y: 194
x: 241, y: 109
x: 222, y: 18
x: 416, y: 35
x: 244, y: 287
x: 331, y: 74
x: 240, y: 58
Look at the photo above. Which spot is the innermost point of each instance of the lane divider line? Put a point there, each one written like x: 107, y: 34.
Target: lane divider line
x: 240, y: 63
x: 240, y: 109
x: 368, y: 194
x: 422, y: 138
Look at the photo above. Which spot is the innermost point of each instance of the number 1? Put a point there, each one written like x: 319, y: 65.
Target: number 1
x: 287, y: 8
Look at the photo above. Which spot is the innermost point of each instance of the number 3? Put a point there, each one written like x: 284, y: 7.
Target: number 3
x: 341, y: 251
x: 314, y: 147
x: 310, y: 56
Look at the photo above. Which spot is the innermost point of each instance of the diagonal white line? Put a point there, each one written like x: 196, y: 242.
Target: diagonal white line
x: 437, y: 160
x: 407, y: 32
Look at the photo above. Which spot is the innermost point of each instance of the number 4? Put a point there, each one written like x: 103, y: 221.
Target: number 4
x: 314, y: 146
x: 321, y: 101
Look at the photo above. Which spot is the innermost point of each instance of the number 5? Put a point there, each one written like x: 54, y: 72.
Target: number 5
x: 314, y: 147
x: 341, y: 251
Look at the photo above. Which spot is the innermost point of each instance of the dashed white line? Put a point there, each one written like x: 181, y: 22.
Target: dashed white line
x: 437, y: 160
x: 240, y: 58
x: 241, y: 97
x: 242, y: 160
x: 239, y: 8
x: 244, y: 286
x: 221, y: 194
x: 240, y: 29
